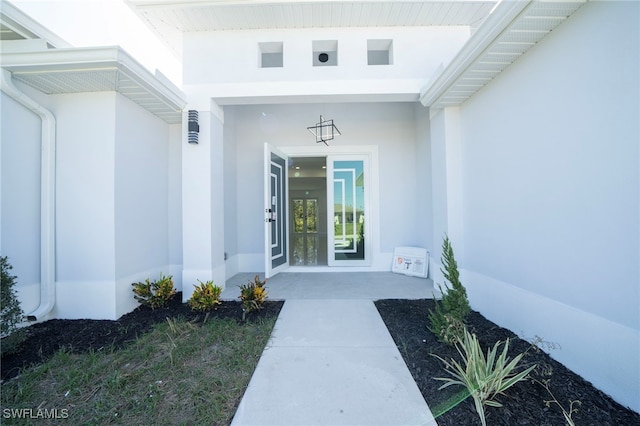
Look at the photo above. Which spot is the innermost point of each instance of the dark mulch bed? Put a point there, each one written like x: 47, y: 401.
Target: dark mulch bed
x: 524, y: 403
x: 81, y: 336
x: 407, y: 321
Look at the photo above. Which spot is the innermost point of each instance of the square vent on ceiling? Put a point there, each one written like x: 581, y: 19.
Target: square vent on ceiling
x: 325, y: 53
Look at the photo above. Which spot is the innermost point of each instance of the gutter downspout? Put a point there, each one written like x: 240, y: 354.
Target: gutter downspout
x: 47, y: 196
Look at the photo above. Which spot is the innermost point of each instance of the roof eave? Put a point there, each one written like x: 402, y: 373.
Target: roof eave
x: 454, y: 85
x: 23, y: 64
x: 493, y: 26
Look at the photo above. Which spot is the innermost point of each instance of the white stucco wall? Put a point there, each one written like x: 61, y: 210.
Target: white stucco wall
x: 230, y: 193
x: 175, y: 203
x: 228, y: 62
x: 85, y: 222
x: 20, y: 198
x: 550, y: 184
x: 390, y: 127
x: 424, y: 190
x: 203, y: 227
x: 117, y: 207
x: 141, y: 207
x: 217, y: 217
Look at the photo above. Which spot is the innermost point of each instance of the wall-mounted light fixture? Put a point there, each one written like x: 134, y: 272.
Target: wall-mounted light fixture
x: 324, y: 131
x: 194, y: 127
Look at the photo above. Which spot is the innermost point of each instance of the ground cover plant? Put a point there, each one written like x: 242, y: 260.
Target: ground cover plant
x: 168, y: 365
x: 551, y: 392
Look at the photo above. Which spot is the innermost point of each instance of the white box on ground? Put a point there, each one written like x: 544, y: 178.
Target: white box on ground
x: 412, y: 261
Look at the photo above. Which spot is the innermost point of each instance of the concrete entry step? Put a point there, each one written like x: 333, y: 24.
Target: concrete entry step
x: 335, y: 285
x: 331, y: 362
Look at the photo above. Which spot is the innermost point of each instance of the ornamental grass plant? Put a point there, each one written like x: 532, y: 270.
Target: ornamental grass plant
x: 484, y: 377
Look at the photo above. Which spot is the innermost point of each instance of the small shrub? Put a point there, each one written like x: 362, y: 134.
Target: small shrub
x: 154, y: 294
x: 253, y: 294
x: 10, y: 311
x: 447, y: 319
x: 447, y: 327
x: 206, y: 296
x: 484, y: 377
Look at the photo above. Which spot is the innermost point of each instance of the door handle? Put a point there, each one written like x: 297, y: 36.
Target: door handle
x: 272, y: 215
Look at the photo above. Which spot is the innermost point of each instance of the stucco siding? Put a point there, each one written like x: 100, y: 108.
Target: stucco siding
x: 550, y: 167
x: 20, y: 197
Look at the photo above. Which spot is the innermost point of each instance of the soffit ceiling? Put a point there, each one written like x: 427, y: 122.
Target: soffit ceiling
x: 61, y: 71
x: 169, y: 19
x: 468, y: 73
x: 232, y: 15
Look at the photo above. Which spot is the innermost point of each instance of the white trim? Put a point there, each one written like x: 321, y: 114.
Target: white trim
x: 378, y: 261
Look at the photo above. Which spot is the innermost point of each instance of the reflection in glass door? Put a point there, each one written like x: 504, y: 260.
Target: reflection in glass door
x: 304, y: 233
x: 347, y: 206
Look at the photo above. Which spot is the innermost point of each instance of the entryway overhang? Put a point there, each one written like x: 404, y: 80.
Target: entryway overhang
x: 171, y: 18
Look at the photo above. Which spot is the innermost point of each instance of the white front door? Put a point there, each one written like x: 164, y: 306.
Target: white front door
x: 276, y: 211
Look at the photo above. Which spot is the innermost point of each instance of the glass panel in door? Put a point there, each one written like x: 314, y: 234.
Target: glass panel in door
x: 348, y: 203
x: 304, y: 233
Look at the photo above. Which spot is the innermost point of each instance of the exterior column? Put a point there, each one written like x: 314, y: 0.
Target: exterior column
x: 203, y: 203
x: 446, y: 163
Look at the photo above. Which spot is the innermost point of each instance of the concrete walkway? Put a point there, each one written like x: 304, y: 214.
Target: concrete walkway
x: 330, y: 360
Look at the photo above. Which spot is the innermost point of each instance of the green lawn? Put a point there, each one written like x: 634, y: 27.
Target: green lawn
x: 179, y: 373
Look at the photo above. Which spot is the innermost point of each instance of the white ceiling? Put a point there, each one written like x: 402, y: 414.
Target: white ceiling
x: 169, y: 19
x: 232, y: 15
